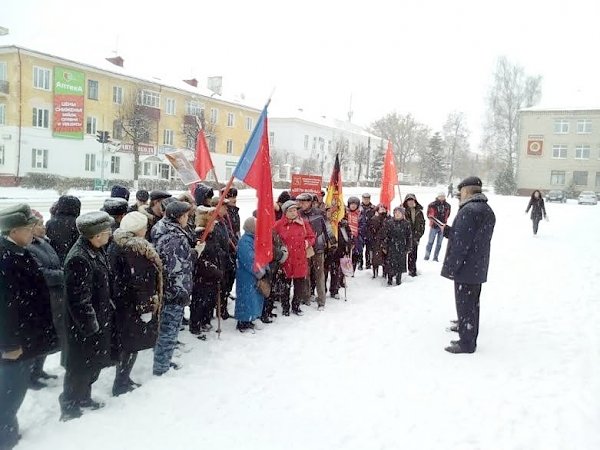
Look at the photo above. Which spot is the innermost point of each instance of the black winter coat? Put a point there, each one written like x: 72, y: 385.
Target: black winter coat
x: 397, y: 242
x: 316, y: 218
x: 138, y: 289
x: 90, y: 310
x: 50, y: 265
x: 25, y: 313
x: 376, y: 229
x: 468, y: 252
x: 417, y: 223
x: 209, y: 267
x: 538, y: 210
x: 233, y: 212
x: 61, y: 229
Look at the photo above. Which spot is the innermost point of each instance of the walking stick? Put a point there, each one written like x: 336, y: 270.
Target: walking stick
x: 218, y: 330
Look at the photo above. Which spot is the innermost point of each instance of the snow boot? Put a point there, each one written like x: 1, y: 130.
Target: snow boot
x: 457, y: 347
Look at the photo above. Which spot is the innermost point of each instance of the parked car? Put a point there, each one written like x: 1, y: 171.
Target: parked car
x: 588, y: 198
x: 556, y: 196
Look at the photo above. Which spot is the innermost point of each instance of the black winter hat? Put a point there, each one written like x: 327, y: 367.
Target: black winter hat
x: 233, y: 192
x: 304, y: 197
x: 119, y: 191
x: 284, y: 197
x: 177, y: 209
x: 142, y: 195
x: 159, y: 195
x: 203, y: 193
x: 116, y: 206
x: 16, y: 216
x: 93, y: 223
x: 470, y: 181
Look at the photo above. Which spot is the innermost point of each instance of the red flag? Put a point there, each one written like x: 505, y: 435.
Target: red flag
x: 202, y: 162
x: 389, y: 178
x: 254, y: 169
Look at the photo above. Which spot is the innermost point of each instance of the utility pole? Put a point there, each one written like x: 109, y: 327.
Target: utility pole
x: 102, y: 137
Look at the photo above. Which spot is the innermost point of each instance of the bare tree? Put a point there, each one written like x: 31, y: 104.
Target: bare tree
x: 135, y: 124
x: 511, y: 91
x: 456, y: 140
x: 192, y: 126
x: 361, y: 158
x: 408, y: 136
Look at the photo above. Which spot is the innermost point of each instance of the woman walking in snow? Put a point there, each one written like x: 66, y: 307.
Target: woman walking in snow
x: 376, y: 229
x: 538, y: 210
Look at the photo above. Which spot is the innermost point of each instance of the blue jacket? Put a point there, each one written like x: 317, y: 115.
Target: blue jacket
x: 468, y: 252
x: 249, y: 302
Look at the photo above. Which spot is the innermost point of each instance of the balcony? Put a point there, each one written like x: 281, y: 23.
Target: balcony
x: 3, y: 87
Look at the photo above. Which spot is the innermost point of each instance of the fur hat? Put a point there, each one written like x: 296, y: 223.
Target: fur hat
x: 16, y: 216
x: 250, y: 225
x: 176, y: 209
x: 133, y: 222
x: 470, y: 181
x: 215, y: 201
x: 142, y: 195
x: 202, y: 215
x: 37, y: 214
x: 284, y: 197
x: 116, y: 206
x: 159, y: 195
x: 287, y: 205
x: 401, y: 209
x: 304, y: 197
x: 93, y: 223
x: 119, y: 191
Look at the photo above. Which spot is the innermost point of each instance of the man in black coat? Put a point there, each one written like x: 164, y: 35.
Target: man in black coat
x: 90, y: 313
x: 414, y: 216
x: 61, y: 228
x: 467, y: 259
x: 26, y: 330
x: 156, y: 210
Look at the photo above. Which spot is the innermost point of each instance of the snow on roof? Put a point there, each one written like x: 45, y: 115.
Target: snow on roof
x: 169, y: 82
x: 556, y: 109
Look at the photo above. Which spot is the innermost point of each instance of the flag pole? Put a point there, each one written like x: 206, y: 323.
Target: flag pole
x: 213, y: 216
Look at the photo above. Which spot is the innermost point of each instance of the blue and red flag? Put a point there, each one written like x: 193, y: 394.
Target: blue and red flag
x: 254, y: 169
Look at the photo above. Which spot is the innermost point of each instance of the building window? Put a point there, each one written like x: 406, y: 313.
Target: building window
x: 149, y: 98
x: 322, y: 144
x: 117, y: 131
x: 168, y: 137
x: 92, y: 89
x: 150, y: 169
x: 597, y: 179
x: 212, y: 144
x: 165, y: 171
x: 229, y: 146
x: 118, y: 95
x: 249, y: 123
x: 3, y: 71
x: 170, y: 107
x: 314, y: 146
x: 582, y: 152
x: 559, y: 151
x: 306, y: 142
x: 193, y: 108
x: 91, y: 125
x: 90, y: 162
x: 230, y: 120
x: 41, y: 78
x: 2, y: 114
x: 40, y: 117
x: 580, y: 178
x: 39, y: 158
x: 584, y: 126
x: 214, y: 115
x: 115, y: 164
x: 271, y: 138
x: 1, y: 155
x: 557, y: 177
x: 561, y: 126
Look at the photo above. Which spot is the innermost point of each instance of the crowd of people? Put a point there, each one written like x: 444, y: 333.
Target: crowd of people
x: 99, y: 287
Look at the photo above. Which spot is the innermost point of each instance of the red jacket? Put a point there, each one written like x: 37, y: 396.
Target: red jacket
x: 295, y: 235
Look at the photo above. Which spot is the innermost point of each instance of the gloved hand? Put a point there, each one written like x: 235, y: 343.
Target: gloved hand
x: 200, y: 246
x: 146, y: 317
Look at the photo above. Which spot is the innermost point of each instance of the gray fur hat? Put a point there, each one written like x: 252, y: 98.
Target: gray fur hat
x: 16, y: 216
x: 287, y: 205
x: 93, y: 223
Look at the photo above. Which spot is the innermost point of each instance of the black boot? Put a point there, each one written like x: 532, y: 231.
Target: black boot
x: 390, y: 280
x: 375, y: 270
x: 398, y: 280
x: 91, y: 403
x: 69, y: 410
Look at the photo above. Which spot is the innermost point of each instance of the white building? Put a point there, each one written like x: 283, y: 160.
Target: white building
x: 297, y: 137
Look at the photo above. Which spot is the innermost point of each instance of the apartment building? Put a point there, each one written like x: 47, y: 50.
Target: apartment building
x: 52, y: 108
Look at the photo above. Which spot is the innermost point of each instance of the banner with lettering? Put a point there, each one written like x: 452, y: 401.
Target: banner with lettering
x: 68, y: 103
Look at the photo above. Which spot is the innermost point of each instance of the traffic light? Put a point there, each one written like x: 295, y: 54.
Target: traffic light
x: 103, y: 137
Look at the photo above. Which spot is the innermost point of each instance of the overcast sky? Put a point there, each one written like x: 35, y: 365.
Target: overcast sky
x: 423, y: 57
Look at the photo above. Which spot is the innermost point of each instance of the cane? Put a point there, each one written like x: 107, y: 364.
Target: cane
x: 218, y: 330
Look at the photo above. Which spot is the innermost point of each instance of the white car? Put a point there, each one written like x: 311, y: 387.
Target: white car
x: 588, y: 198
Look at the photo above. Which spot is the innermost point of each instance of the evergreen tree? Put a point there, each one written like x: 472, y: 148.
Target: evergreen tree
x: 377, y: 164
x: 432, y: 163
x: 505, y: 183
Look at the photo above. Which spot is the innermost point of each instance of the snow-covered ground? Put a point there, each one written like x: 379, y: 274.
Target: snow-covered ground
x: 371, y: 373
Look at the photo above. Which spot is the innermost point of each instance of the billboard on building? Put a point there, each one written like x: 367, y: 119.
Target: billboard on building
x: 305, y: 183
x: 68, y: 103
x: 535, y: 145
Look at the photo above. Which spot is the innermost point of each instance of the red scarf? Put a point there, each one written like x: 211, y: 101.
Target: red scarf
x: 353, y: 221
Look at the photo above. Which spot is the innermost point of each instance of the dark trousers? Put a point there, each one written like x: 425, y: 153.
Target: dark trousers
x: 412, y: 259
x: 77, y: 386
x: 368, y: 250
x: 38, y: 367
x: 226, y: 287
x: 301, y: 288
x: 14, y: 380
x: 279, y: 290
x: 124, y: 367
x: 536, y: 223
x: 204, y: 301
x: 467, y: 310
x: 333, y: 269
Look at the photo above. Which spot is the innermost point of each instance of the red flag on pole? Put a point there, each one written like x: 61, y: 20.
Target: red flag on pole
x: 202, y: 162
x: 389, y: 178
